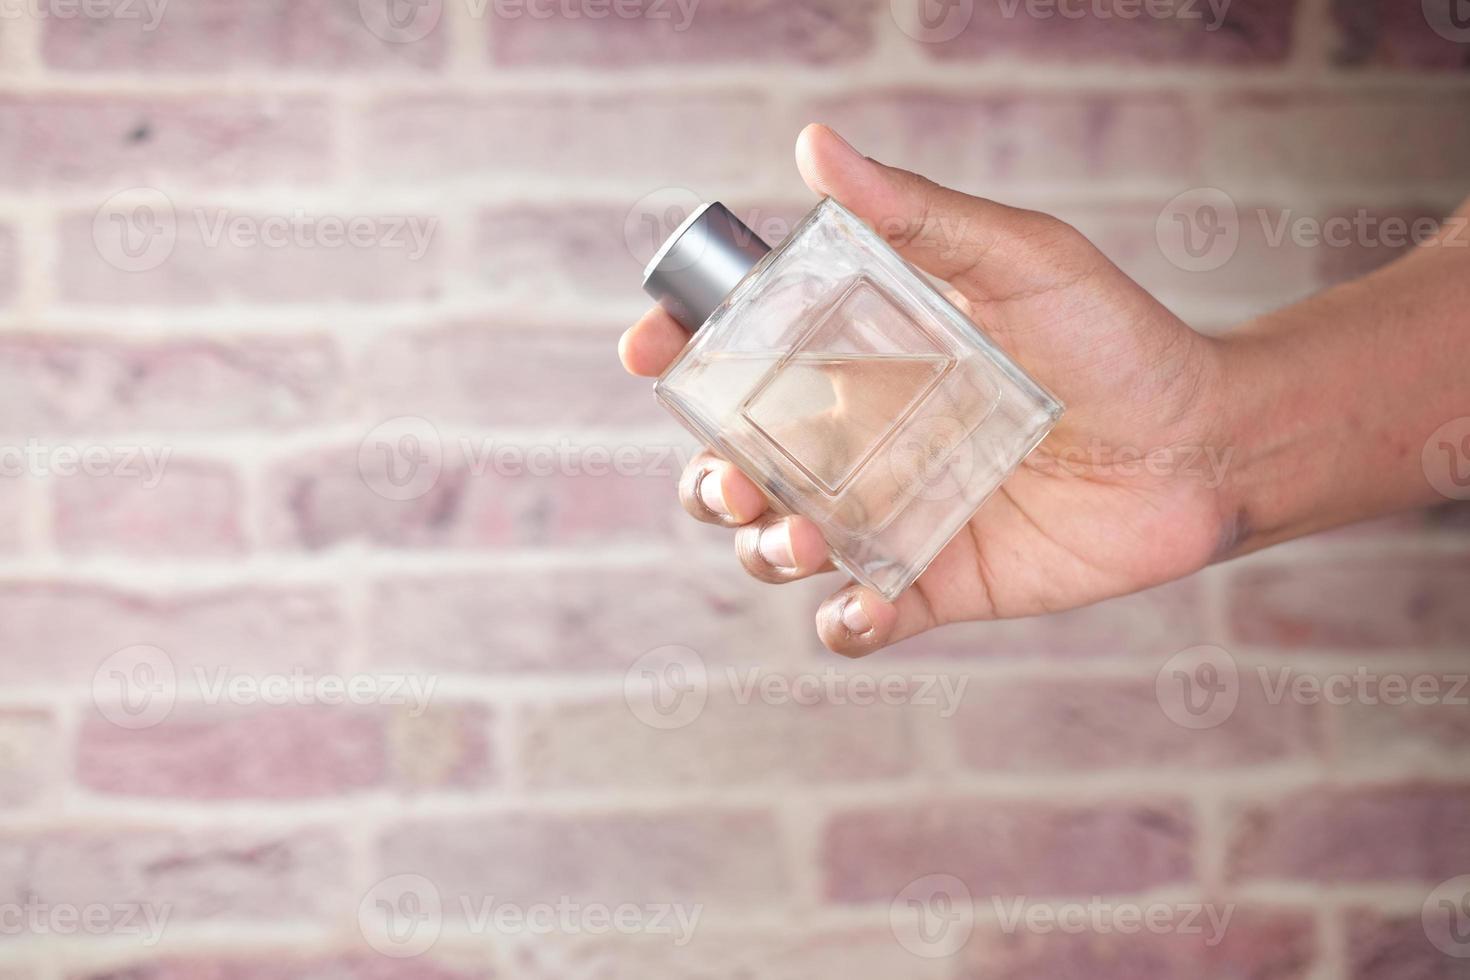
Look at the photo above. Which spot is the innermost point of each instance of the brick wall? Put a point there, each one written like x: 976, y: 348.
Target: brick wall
x: 338, y: 555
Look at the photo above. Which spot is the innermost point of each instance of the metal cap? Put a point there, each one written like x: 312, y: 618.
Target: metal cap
x: 701, y: 263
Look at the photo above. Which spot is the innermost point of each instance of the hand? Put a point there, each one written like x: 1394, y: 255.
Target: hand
x: 1113, y: 501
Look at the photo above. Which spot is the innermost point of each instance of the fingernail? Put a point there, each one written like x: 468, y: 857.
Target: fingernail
x: 775, y: 546
x: 854, y: 617
x: 711, y: 494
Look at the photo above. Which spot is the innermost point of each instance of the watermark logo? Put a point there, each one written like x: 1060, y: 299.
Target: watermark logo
x: 933, y: 916
x: 150, y: 12
x: 667, y: 687
x: 1450, y: 19
x: 33, y: 917
x: 932, y: 459
x: 401, y: 21
x: 1198, y: 688
x: 1199, y: 230
x: 136, y: 687
x: 933, y: 21
x: 1446, y: 459
x: 136, y: 230
x: 1446, y: 917
x: 401, y: 916
x: 655, y: 217
x: 147, y: 464
x: 1100, y: 917
x: 402, y: 459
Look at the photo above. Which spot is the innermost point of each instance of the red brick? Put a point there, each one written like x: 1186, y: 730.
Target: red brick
x: 1393, y: 34
x: 220, y: 753
x: 1250, y: 32
x: 541, y: 377
x: 1383, y: 136
x: 19, y: 495
x: 62, y: 384
x: 1258, y: 944
x: 1007, y: 847
x: 714, y: 32
x: 595, y: 250
x: 966, y: 141
x: 228, y: 255
x: 187, y: 509
x: 57, y: 633
x: 1394, y: 947
x: 122, y: 142
x: 1412, y: 832
x: 853, y: 955
x: 1145, y: 624
x: 570, y: 618
x: 228, y: 874
x: 9, y: 263
x: 1419, y: 731
x: 213, y: 752
x: 264, y: 961
x: 1086, y: 724
x: 601, y: 743
x: 1360, y: 605
x: 719, y: 137
x: 321, y: 500
x: 28, y: 756
x: 217, y: 35
x: 720, y: 859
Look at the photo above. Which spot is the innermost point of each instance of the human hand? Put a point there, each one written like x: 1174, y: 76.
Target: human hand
x: 1110, y: 503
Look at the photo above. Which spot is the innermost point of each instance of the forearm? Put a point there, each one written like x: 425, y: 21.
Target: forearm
x: 1328, y: 404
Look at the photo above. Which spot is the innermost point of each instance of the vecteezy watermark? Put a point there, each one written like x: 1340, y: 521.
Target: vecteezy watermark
x: 1102, y: 917
x: 1446, y: 459
x: 150, y: 12
x: 1207, y: 464
x: 404, y: 458
x: 407, y: 21
x: 1362, y: 229
x: 933, y: 458
x: 139, y: 686
x: 1199, y: 230
x: 1450, y: 19
x: 143, y: 921
x: 1363, y: 686
x: 933, y: 916
x: 937, y: 21
x: 36, y: 458
x: 657, y: 215
x: 404, y: 915
x: 1198, y: 688
x: 1446, y: 917
x: 669, y: 688
x: 138, y: 229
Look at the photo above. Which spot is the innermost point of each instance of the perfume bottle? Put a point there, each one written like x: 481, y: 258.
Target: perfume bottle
x: 840, y: 381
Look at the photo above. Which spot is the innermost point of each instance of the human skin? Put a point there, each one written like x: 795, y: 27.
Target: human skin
x: 1320, y: 411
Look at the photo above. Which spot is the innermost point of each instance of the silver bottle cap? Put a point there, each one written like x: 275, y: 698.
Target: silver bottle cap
x: 701, y: 263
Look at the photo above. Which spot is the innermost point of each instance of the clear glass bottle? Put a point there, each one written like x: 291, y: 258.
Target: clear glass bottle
x: 838, y: 379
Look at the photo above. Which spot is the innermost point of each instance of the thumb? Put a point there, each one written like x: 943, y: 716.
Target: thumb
x: 978, y: 245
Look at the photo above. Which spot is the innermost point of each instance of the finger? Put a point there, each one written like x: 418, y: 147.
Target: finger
x: 715, y: 492
x: 856, y: 621
x: 651, y: 344
x: 782, y: 549
x: 963, y: 239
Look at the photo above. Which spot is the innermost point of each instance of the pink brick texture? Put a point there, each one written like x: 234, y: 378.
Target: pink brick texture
x: 350, y: 628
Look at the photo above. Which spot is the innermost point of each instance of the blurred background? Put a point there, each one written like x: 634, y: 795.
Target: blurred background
x: 349, y: 626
